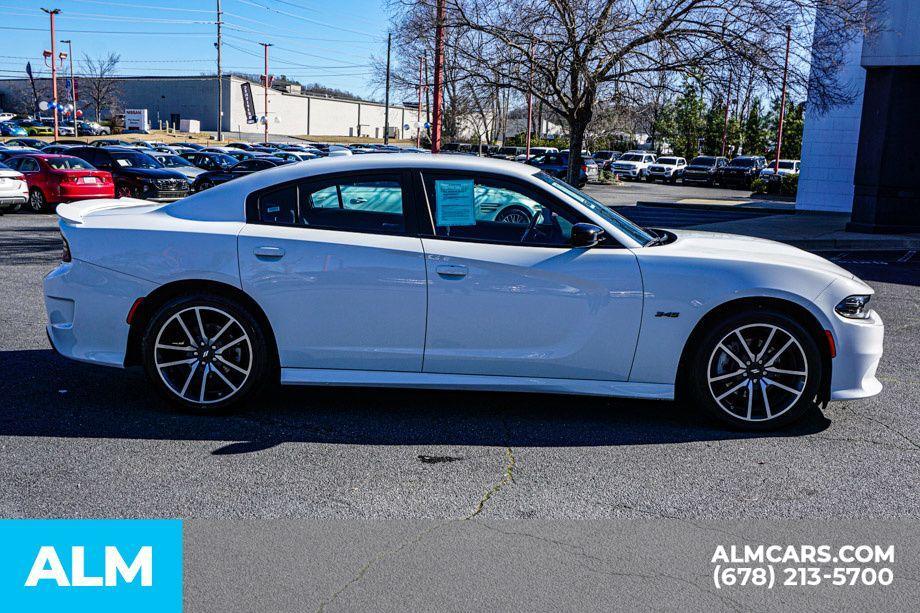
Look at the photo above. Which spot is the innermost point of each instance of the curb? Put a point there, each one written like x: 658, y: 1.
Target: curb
x: 849, y: 244
x: 719, y: 207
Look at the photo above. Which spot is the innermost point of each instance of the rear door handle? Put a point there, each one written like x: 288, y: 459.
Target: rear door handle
x: 269, y: 252
x: 452, y: 270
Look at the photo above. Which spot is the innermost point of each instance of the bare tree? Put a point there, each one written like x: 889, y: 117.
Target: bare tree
x: 100, y: 84
x: 583, y: 49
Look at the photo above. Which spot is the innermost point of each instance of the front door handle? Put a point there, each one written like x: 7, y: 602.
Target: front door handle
x: 452, y: 270
x: 269, y: 252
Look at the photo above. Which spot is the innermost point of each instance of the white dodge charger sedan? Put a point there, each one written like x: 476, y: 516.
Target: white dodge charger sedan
x: 393, y: 270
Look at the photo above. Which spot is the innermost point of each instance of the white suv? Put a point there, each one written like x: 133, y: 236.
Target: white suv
x: 668, y: 169
x: 633, y: 165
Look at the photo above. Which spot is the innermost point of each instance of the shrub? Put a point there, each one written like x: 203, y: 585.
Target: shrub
x: 760, y: 186
x: 789, y: 185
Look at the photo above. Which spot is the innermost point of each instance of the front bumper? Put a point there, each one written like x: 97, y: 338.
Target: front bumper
x: 859, y: 350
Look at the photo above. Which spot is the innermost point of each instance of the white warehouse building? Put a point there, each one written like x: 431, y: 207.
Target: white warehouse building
x: 170, y: 99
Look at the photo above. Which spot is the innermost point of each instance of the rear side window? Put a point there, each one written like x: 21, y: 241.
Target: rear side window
x: 279, y: 207
x: 370, y: 203
x: 355, y: 204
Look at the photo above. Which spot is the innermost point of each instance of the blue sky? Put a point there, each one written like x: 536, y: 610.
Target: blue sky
x: 314, y: 40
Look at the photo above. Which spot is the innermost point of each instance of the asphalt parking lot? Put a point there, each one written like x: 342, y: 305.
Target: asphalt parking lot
x: 83, y: 441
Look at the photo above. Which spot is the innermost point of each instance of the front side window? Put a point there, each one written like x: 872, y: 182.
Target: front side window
x: 624, y: 225
x: 495, y: 210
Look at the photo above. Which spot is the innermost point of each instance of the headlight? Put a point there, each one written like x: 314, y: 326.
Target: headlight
x: 854, y: 307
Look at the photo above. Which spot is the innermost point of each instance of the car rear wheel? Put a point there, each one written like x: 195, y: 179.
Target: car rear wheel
x: 37, y: 201
x: 757, y: 371
x: 206, y: 353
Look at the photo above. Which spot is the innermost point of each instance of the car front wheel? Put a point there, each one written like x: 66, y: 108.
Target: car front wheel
x: 757, y: 371
x: 205, y: 353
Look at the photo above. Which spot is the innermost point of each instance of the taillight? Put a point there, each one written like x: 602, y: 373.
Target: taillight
x: 584, y: 168
x: 65, y: 253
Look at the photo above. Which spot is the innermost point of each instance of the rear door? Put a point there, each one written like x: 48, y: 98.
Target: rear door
x: 338, y: 267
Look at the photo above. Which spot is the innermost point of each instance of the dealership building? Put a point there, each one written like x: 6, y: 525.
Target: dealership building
x: 172, y: 99
x: 863, y: 158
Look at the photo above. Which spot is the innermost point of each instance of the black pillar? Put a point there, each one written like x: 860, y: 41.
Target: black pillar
x: 887, y: 180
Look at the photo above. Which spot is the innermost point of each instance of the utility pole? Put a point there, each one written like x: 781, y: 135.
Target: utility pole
x: 728, y: 104
x: 782, y: 104
x: 438, y: 76
x: 220, y: 76
x: 266, y: 84
x: 418, y: 115
x: 386, y: 119
x: 73, y: 87
x: 51, y: 54
x: 529, y: 101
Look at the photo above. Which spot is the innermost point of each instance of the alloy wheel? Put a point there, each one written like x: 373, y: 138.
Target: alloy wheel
x: 37, y: 201
x: 757, y: 372
x: 203, y: 355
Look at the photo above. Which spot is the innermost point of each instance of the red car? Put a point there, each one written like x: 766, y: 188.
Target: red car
x: 61, y: 178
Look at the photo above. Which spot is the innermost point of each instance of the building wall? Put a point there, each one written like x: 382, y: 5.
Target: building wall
x: 829, y: 145
x: 174, y: 98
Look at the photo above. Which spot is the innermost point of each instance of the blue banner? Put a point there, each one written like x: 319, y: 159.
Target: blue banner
x: 91, y: 565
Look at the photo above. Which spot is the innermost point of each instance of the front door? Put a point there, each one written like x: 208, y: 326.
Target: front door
x: 341, y: 280
x: 509, y: 296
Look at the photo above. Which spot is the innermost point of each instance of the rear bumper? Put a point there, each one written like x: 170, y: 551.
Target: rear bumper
x: 87, y: 306
x: 88, y: 192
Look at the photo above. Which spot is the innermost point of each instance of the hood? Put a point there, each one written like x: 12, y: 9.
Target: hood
x: 716, y: 245
x: 150, y: 173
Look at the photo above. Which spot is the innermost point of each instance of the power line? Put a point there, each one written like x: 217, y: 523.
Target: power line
x: 306, y: 19
x: 104, y: 17
x: 143, y: 6
x: 131, y: 32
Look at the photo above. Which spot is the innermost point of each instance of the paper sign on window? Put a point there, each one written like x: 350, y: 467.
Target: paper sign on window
x: 455, y: 204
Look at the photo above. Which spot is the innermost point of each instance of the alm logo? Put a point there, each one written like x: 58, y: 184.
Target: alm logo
x: 47, y: 567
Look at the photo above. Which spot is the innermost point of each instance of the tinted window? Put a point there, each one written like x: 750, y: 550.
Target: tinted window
x: 744, y: 162
x: 703, y: 161
x: 69, y: 163
x: 279, y: 206
x: 130, y: 159
x: 669, y: 161
x: 630, y: 157
x: 365, y: 204
x: 28, y: 165
x: 495, y: 210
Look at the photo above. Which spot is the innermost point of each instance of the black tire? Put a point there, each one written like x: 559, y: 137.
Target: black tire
x: 509, y: 214
x: 713, y: 355
x: 246, y: 348
x: 37, y: 201
x: 204, y: 185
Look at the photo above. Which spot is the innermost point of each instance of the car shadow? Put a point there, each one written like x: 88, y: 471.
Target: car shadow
x: 49, y: 396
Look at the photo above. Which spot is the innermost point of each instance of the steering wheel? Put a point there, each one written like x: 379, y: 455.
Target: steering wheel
x: 530, y: 227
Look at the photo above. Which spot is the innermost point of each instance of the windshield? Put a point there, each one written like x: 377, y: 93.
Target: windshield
x: 171, y: 161
x: 69, y: 163
x: 703, y: 161
x: 743, y: 162
x: 629, y: 228
x: 786, y: 165
x: 508, y: 150
x: 135, y: 160
x: 630, y: 157
x: 671, y: 161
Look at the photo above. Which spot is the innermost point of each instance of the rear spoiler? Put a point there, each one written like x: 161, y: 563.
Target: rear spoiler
x: 76, y: 212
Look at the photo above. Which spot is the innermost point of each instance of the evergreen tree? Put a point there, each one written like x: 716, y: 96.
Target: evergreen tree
x: 756, y: 136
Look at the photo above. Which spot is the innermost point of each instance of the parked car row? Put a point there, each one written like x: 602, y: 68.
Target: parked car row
x: 41, y: 174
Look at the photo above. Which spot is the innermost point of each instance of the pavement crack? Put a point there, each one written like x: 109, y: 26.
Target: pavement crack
x: 507, y: 478
x: 379, y: 557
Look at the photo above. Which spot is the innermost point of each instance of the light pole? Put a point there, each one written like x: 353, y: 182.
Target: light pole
x: 529, y: 101
x: 728, y: 105
x: 73, y: 87
x: 782, y: 104
x: 51, y: 54
x: 220, y: 79
x: 386, y: 119
x: 266, y: 83
x: 438, y: 69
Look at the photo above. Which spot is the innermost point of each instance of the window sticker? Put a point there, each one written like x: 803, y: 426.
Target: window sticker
x: 122, y: 162
x: 455, y: 203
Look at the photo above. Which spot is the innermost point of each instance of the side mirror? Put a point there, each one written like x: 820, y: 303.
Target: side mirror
x: 586, y: 235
